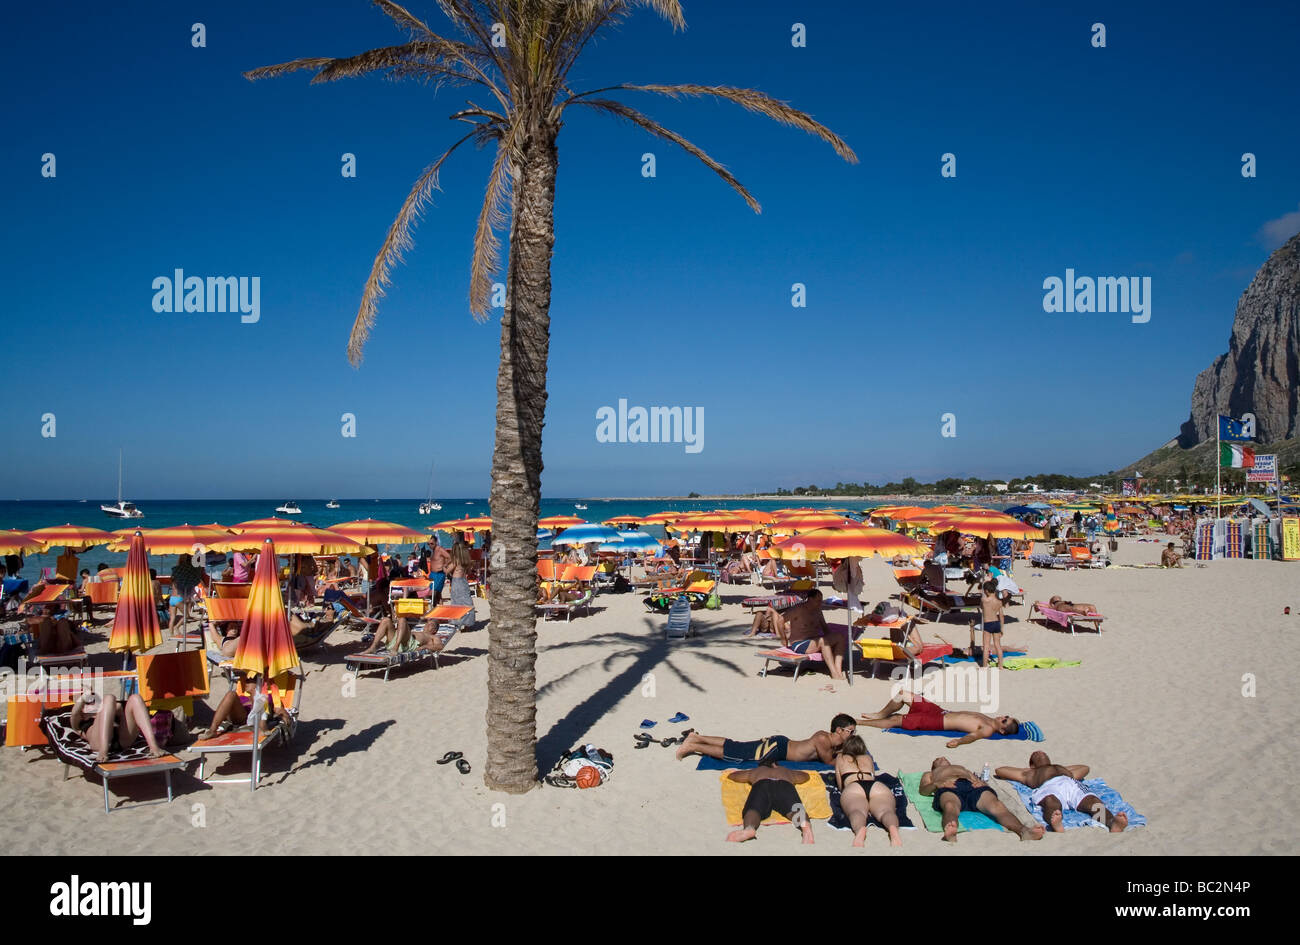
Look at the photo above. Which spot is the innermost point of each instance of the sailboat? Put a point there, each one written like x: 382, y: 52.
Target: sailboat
x: 121, y: 509
x: 428, y: 505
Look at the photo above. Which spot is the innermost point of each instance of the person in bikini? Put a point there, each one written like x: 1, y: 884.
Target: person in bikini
x: 925, y: 716
x: 820, y: 746
x: 803, y: 629
x: 109, y: 726
x: 1070, y: 607
x: 772, y: 788
x: 956, y: 789
x: 866, y: 797
x: 1058, y: 788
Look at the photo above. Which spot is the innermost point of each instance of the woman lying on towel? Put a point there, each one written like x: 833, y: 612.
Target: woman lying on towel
x: 864, y: 799
x: 111, y: 727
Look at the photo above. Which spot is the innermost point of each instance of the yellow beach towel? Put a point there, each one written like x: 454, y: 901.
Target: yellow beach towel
x: 812, y: 793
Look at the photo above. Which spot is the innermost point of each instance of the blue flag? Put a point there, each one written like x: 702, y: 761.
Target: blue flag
x: 1231, y: 431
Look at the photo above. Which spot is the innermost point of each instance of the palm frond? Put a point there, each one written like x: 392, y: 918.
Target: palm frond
x: 487, y: 246
x: 748, y: 99
x: 658, y: 130
x: 396, y: 243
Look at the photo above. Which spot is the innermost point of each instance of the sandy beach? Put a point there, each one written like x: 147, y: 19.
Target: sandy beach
x: 1156, y: 708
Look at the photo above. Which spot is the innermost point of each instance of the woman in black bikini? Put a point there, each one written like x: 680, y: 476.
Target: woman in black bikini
x: 865, y: 799
x: 109, y: 727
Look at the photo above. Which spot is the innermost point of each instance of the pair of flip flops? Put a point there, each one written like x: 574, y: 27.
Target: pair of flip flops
x: 644, y: 740
x: 457, y: 756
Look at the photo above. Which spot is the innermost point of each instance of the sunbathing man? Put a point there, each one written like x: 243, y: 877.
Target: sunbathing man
x: 1070, y: 607
x: 771, y: 789
x: 1058, y: 788
x: 1169, y: 558
x: 819, y: 746
x: 108, y: 726
x: 924, y: 716
x: 803, y: 629
x: 956, y: 789
x: 54, y: 635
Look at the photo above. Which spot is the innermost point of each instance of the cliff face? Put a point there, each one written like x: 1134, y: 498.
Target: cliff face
x: 1260, y: 373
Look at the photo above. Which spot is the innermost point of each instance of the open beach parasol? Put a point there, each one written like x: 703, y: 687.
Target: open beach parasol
x: 585, y: 534
x: 290, y: 539
x: 722, y: 521
x: 70, y: 536
x: 560, y: 521
x: 18, y: 543
x: 266, y: 641
x: 173, y: 540
x: 986, y: 526
x: 369, y: 531
x: 135, y: 624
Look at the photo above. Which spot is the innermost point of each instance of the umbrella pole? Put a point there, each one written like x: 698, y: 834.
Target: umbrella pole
x: 853, y: 605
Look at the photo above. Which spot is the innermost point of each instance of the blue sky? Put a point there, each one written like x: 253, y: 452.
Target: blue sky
x: 924, y: 294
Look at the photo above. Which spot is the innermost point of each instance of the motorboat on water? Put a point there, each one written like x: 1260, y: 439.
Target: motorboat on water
x: 332, y: 504
x: 289, y: 508
x: 580, y: 506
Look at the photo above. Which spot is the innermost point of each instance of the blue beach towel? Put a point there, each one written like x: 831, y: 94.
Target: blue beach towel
x: 970, y: 659
x: 1029, y: 731
x: 1073, y: 818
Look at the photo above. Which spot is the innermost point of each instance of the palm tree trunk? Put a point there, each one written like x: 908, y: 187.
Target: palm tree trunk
x: 517, y: 468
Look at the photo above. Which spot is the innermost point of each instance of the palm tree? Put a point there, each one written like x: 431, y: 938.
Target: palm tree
x: 518, y: 54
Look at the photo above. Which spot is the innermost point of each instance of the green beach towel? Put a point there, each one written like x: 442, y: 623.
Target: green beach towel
x: 933, y: 820
x: 1037, y: 662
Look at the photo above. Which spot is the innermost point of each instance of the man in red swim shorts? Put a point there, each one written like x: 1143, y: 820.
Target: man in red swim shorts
x: 916, y: 714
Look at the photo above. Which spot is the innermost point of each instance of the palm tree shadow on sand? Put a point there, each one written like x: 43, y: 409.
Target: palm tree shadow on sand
x: 646, y: 653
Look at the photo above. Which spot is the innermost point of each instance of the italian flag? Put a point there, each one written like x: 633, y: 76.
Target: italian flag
x: 1236, y: 455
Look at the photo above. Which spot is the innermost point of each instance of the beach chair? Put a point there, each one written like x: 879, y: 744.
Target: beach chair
x: 172, y: 680
x: 74, y: 752
x: 909, y: 579
x: 444, y: 617
x: 287, y: 689
x: 679, y: 620
x: 49, y: 594
x: 231, y: 589
x: 1064, y: 618
x: 568, y: 607
x: 221, y: 610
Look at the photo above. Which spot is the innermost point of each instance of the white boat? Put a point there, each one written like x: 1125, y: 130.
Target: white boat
x: 428, y: 505
x: 121, y: 509
x: 332, y: 504
x: 580, y: 506
x: 290, y: 508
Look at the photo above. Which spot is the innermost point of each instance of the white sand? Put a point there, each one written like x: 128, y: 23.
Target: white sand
x: 1156, y: 708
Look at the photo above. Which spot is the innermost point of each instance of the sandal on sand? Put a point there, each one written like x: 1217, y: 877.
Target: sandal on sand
x: 642, y: 737
x: 450, y: 757
x: 462, y: 766
x: 669, y: 742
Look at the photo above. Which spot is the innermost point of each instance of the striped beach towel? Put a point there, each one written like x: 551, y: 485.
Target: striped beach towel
x: 1234, y: 540
x: 1204, y: 540
x: 1259, y: 540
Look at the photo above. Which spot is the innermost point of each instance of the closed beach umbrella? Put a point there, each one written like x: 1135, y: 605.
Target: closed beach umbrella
x: 18, y: 543
x: 585, y: 534
x: 266, y: 642
x: 369, y: 531
x: 135, y: 624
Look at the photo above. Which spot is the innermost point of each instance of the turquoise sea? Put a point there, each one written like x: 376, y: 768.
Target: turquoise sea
x: 30, y: 515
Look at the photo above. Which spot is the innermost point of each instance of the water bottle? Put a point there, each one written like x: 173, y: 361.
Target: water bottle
x: 984, y: 775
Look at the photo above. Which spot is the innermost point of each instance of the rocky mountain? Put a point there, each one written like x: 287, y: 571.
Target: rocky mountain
x: 1259, y: 374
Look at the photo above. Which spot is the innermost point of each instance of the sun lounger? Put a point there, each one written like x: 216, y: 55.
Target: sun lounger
x: 775, y: 601
x: 444, y: 617
x: 566, y: 607
x: 74, y: 751
x: 253, y: 741
x: 48, y: 594
x: 679, y: 620
x: 1064, y: 618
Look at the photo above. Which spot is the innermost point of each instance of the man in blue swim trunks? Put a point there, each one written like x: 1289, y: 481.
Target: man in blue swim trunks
x: 820, y: 746
x: 956, y: 789
x: 803, y: 629
x: 439, y: 558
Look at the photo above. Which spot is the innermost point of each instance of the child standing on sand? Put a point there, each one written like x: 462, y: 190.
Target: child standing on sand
x: 991, y: 609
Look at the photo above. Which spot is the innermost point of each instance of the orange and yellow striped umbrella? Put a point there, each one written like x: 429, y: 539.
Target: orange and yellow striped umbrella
x: 291, y: 539
x: 480, y: 524
x: 173, y: 540
x: 70, y: 536
x: 371, y: 531
x: 622, y: 520
x: 754, y: 515
x: 135, y: 624
x: 984, y: 526
x: 271, y: 522
x: 659, y: 518
x: 713, y: 522
x: 561, y: 521
x: 807, y: 521
x: 17, y: 543
x: 266, y: 642
x: 859, y: 541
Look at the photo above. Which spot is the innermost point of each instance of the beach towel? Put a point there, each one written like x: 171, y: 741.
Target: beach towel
x: 1029, y: 731
x: 933, y: 820
x: 812, y: 794
x: 1073, y: 818
x: 1204, y: 540
x: 1234, y: 540
x: 1037, y: 662
x: 72, y: 749
x: 970, y: 659
x: 1220, y: 538
x: 717, y: 764
x: 840, y: 821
